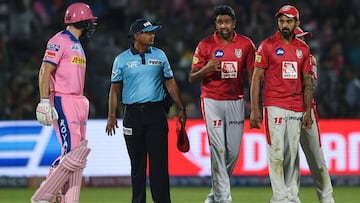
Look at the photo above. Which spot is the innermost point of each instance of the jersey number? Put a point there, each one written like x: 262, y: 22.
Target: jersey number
x: 217, y: 123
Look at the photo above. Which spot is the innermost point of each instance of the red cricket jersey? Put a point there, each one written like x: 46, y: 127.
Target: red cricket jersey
x: 227, y: 84
x: 284, y: 64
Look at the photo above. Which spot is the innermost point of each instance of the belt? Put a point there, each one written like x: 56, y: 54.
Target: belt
x: 144, y: 106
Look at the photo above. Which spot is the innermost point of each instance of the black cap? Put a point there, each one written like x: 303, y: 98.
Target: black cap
x: 142, y: 25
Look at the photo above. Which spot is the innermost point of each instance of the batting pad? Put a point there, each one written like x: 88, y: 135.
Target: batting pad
x: 73, y: 193
x: 72, y: 162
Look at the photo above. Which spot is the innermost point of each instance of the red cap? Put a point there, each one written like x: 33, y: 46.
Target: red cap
x: 300, y: 33
x: 289, y: 11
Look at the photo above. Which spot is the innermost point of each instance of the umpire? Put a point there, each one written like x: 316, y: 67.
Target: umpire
x: 141, y: 74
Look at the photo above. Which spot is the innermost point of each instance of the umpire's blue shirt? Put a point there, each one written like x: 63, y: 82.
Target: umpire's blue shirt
x: 142, y: 75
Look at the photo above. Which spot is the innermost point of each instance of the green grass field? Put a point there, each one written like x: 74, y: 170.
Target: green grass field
x: 185, y: 195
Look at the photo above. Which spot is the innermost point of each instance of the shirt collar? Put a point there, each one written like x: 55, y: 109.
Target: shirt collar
x: 134, y: 51
x: 218, y: 40
x: 71, y: 36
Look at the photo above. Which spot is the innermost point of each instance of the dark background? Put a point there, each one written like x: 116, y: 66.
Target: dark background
x: 26, y: 25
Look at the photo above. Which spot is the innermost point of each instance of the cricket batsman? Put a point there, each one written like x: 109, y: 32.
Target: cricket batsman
x: 62, y: 103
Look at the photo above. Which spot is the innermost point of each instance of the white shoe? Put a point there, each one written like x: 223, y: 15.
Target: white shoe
x: 41, y: 201
x: 209, y: 201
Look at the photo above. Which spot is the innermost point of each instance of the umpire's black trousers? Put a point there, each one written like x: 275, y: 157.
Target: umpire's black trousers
x: 146, y: 133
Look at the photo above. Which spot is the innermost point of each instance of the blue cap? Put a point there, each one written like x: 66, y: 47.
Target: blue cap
x: 142, y: 25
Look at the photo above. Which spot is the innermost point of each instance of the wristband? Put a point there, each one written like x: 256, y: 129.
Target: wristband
x: 112, y: 115
x: 44, y: 100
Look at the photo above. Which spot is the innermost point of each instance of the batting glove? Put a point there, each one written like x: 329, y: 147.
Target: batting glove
x: 45, y: 113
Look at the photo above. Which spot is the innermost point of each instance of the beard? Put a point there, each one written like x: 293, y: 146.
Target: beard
x: 286, y: 33
x: 225, y: 34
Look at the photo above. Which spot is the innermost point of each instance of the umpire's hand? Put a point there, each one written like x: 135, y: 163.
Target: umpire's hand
x: 111, y: 125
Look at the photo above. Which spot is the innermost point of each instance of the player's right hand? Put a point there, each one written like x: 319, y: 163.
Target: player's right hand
x: 255, y: 119
x: 111, y: 125
x: 45, y: 113
x: 213, y: 65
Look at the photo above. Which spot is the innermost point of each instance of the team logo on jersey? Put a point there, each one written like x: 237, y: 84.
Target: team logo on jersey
x: 238, y: 53
x: 53, y: 47
x: 195, y: 60
x: 299, y: 54
x: 279, y: 51
x: 155, y: 62
x: 78, y: 60
x: 219, y: 53
x: 229, y: 69
x: 132, y: 64
x: 289, y: 70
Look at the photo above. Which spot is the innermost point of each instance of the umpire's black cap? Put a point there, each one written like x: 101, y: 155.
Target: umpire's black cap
x: 142, y: 25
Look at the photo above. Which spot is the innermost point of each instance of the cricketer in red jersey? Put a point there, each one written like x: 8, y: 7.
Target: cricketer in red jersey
x: 219, y: 63
x: 282, y: 63
x: 311, y: 143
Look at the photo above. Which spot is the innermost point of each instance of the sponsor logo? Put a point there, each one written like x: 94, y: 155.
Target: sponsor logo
x: 78, y: 60
x: 258, y: 58
x: 76, y: 47
x: 127, y: 131
x: 53, y: 47
x: 195, y: 60
x: 132, y: 64
x: 49, y: 55
x: 219, y: 53
x: 229, y: 69
x: 279, y: 51
x: 289, y: 70
x: 27, y: 145
x: 155, y: 62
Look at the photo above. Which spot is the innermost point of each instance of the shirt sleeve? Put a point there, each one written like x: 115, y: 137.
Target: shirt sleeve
x: 168, y: 73
x: 54, y: 51
x: 116, y: 74
x: 199, y: 58
x: 261, y: 57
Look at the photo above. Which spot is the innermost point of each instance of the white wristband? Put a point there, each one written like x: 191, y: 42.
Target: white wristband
x: 43, y: 100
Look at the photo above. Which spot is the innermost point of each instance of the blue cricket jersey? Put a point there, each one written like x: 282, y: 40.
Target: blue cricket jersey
x: 142, y: 75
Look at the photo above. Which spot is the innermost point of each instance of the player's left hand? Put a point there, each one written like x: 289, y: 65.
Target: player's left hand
x: 307, y: 121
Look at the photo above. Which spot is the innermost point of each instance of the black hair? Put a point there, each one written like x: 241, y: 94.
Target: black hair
x: 224, y: 10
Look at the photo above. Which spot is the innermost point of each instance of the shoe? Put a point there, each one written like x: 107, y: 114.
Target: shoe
x: 41, y: 201
x: 59, y: 198
x: 209, y: 201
